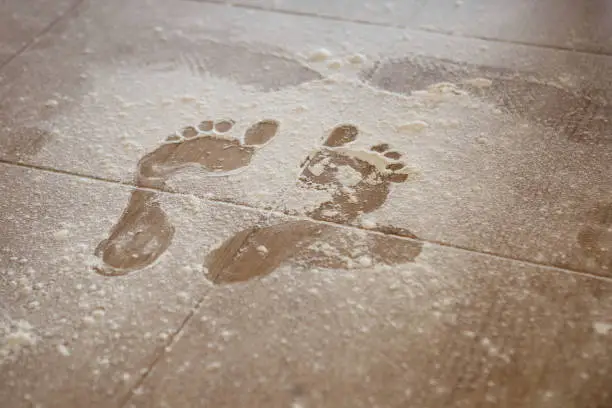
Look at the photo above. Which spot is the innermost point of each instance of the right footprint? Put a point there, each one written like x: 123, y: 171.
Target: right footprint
x: 359, y: 180
x: 143, y: 232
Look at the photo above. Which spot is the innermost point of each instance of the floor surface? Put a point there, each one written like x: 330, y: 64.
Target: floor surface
x: 285, y: 203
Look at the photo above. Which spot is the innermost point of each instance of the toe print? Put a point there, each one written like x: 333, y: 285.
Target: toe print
x: 261, y: 133
x: 143, y: 233
x: 358, y: 180
x: 342, y: 135
x: 223, y: 126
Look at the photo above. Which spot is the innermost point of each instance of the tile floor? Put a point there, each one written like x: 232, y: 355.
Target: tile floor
x: 261, y: 203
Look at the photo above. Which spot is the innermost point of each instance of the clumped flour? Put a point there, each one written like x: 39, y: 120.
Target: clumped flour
x: 15, y: 338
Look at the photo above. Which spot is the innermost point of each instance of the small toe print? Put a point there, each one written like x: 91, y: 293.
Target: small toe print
x: 206, y: 126
x: 189, y: 132
x: 261, y: 132
x: 223, y: 126
x: 342, y: 135
x: 398, y: 177
x: 393, y: 155
x: 380, y: 147
x: 395, y: 166
x: 173, y: 138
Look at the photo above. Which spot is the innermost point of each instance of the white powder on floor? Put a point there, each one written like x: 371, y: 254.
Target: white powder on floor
x: 602, y: 328
x: 319, y: 55
x: 16, y: 337
x: 479, y: 82
x: 413, y: 127
x: 63, y: 350
x: 347, y: 176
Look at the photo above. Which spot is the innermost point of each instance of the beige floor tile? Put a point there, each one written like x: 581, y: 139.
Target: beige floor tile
x: 22, y: 21
x: 445, y: 329
x: 71, y: 337
x: 585, y: 26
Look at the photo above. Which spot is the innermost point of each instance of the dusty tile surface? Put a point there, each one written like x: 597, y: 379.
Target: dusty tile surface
x: 84, y: 102
x: 440, y: 328
x: 585, y: 26
x: 510, y: 155
x: 71, y: 337
x: 22, y: 21
x: 480, y: 163
x: 392, y: 161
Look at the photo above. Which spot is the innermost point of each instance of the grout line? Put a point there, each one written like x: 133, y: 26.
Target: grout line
x: 409, y: 27
x: 44, y: 31
x: 280, y: 213
x: 160, y: 352
x: 63, y: 172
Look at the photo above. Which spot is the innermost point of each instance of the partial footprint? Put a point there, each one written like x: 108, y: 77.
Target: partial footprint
x: 207, y: 145
x: 258, y: 251
x: 595, y: 241
x: 579, y: 117
x: 140, y: 236
x: 358, y: 180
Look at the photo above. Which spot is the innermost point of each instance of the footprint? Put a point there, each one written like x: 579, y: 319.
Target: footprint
x: 358, y: 180
x: 206, y: 145
x: 143, y: 231
x: 578, y: 116
x: 595, y: 240
x: 258, y: 251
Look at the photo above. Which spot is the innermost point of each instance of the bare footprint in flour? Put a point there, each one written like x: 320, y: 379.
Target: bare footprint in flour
x: 144, y: 232
x: 206, y: 146
x: 359, y: 182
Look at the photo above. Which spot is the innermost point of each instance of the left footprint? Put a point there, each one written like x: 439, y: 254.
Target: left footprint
x: 143, y: 232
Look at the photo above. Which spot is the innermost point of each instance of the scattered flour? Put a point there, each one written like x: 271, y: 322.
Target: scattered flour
x: 347, y: 176
x: 602, y: 328
x: 18, y: 336
x: 368, y: 221
x: 51, y: 103
x: 63, y: 350
x: 61, y: 234
x: 479, y: 82
x: 319, y: 55
x: 357, y: 59
x: 334, y: 64
x: 413, y: 127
